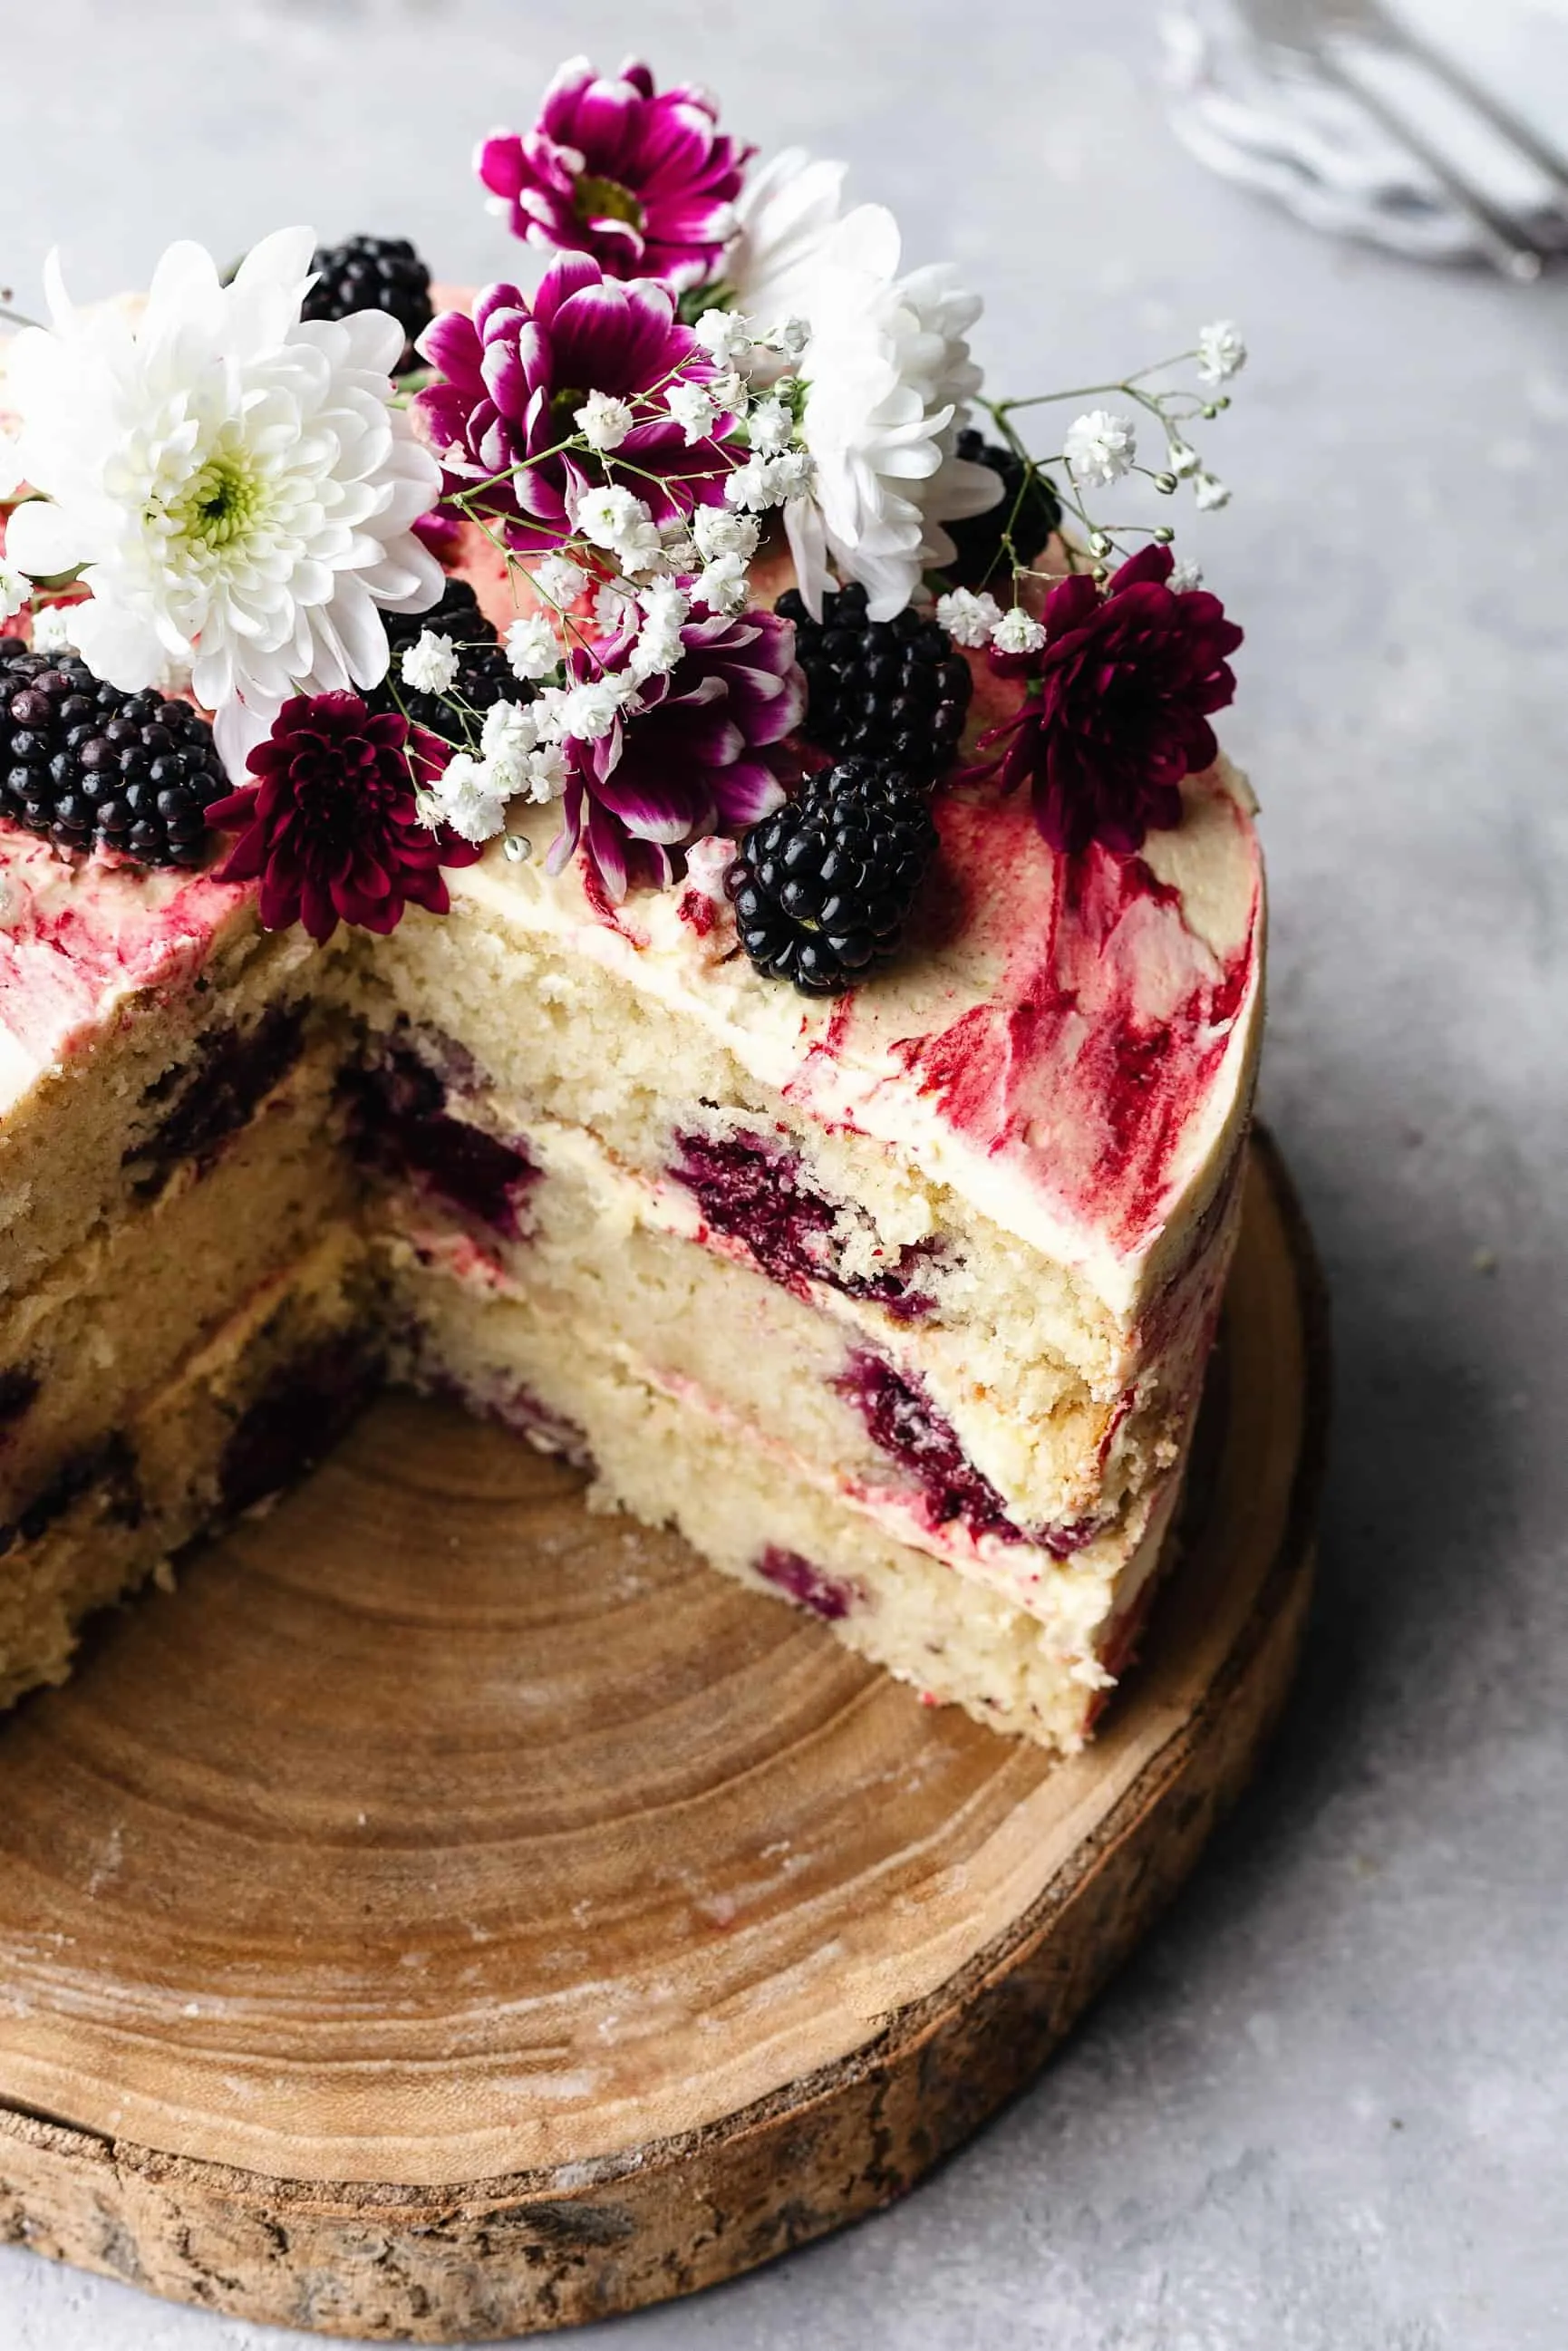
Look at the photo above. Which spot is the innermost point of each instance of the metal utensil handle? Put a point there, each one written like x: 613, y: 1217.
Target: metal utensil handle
x: 1504, y: 244
x: 1520, y: 134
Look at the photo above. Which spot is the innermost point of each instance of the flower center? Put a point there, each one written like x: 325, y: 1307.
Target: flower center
x: 596, y: 199
x: 222, y: 501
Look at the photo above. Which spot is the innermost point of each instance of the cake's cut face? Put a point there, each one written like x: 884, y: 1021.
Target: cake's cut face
x: 896, y: 1301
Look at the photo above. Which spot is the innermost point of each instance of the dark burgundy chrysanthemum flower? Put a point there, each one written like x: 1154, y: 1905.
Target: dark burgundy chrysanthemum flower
x: 512, y: 377
x: 683, y: 759
x: 329, y: 828
x: 1118, y: 710
x: 639, y: 178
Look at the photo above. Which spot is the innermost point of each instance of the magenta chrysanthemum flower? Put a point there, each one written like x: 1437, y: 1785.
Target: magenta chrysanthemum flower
x: 514, y: 377
x: 1118, y: 710
x: 330, y: 829
x: 638, y: 178
x: 682, y: 756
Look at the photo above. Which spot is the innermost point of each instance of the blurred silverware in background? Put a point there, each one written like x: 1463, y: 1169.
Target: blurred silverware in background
x: 1438, y: 127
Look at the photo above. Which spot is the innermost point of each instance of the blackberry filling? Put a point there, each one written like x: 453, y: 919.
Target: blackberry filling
x: 901, y: 1418
x: 827, y: 1596
x: 752, y: 1191
x: 219, y: 1092
x: 297, y: 1418
x: 110, y: 1465
x: 402, y: 1128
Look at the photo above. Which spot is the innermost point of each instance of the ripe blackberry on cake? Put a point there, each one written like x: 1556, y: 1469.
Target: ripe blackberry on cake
x: 880, y: 689
x: 485, y: 675
x: 85, y: 764
x: 373, y: 273
x: 978, y: 538
x: 822, y: 888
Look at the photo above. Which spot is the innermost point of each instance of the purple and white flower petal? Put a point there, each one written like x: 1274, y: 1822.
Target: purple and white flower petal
x: 677, y: 752
x: 639, y: 178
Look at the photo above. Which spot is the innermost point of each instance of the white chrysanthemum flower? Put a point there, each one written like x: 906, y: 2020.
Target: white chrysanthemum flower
x: 430, y: 664
x: 16, y: 589
x: 723, y: 585
x: 889, y: 378
x: 52, y: 628
x: 1018, y: 632
x: 233, y: 483
x: 559, y: 580
x: 1209, y: 493
x: 1099, y: 447
x: 719, y: 530
x: 603, y: 420
x: 1221, y: 353
x: 465, y: 799
x: 533, y: 649
x: 969, y: 619
x: 1182, y: 458
x: 787, y: 213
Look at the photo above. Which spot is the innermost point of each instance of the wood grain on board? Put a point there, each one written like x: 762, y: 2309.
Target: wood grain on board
x: 450, y: 1913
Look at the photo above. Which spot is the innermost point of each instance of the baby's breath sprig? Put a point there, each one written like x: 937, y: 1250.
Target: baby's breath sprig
x: 1099, y: 449
x: 580, y: 667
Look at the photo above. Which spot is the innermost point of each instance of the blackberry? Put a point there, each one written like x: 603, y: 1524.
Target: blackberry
x: 485, y: 675
x: 373, y: 273
x: 81, y: 763
x: 880, y: 689
x: 978, y: 538
x: 821, y: 889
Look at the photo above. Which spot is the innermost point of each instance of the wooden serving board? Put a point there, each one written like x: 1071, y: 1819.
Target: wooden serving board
x: 450, y: 1914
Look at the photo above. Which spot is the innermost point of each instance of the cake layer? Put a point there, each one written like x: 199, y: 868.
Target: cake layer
x: 143, y: 1016
x: 265, y: 1395
x: 1042, y: 1671
x: 968, y: 1315
x: 546, y: 1215
x: 107, y: 1323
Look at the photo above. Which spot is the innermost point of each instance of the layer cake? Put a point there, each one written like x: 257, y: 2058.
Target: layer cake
x: 894, y: 1288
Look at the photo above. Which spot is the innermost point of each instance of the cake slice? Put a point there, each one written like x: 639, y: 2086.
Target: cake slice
x: 900, y: 1304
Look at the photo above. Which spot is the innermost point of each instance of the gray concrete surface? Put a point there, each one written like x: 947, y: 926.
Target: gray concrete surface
x: 1326, y: 2109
